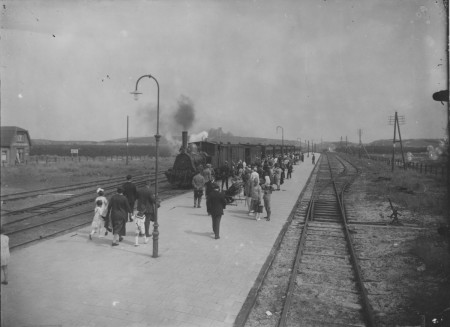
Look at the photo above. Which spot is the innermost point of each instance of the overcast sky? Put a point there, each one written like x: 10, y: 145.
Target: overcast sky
x: 319, y: 69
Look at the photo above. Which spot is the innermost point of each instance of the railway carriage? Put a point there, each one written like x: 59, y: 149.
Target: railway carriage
x: 199, y: 153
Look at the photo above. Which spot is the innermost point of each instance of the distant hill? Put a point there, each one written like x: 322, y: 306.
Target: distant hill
x: 416, y: 143
x: 50, y: 142
x: 242, y: 140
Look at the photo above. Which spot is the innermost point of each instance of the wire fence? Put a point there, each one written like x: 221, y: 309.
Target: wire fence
x: 43, y: 159
x: 437, y: 169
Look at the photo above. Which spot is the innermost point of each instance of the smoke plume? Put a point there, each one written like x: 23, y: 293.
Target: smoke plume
x: 185, y: 113
x: 198, y: 137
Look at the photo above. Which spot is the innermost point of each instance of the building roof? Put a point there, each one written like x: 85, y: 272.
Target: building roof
x: 9, y: 132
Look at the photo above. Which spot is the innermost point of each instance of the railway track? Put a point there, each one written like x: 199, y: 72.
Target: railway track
x: 325, y: 286
x: 83, y: 194
x: 58, y: 217
x: 50, y: 190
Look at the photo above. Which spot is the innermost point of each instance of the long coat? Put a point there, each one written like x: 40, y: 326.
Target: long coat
x: 216, y: 203
x: 130, y: 192
x: 146, y: 202
x: 118, y: 210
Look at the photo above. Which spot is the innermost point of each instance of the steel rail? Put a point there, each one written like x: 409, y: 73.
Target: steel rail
x: 293, y: 277
x: 368, y: 310
x: 250, y: 301
x: 56, y: 202
x: 300, y: 246
x: 89, y: 221
x: 50, y: 190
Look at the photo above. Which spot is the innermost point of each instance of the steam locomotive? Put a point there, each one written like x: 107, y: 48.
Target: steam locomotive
x: 203, y: 152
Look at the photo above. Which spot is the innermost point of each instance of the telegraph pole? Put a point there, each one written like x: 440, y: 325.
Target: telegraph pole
x: 396, y: 121
x: 127, y: 141
x: 360, y: 143
x: 361, y: 146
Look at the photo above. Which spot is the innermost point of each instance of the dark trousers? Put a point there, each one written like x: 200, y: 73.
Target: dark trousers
x: 224, y: 181
x: 123, y: 230
x: 198, y: 197
x: 216, y: 224
x: 267, y: 204
x: 131, y: 203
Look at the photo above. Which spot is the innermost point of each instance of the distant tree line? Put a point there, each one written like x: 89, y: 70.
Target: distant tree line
x: 96, y: 150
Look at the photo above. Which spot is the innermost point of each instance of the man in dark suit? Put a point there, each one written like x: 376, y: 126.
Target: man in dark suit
x: 146, y: 204
x: 130, y: 191
x: 216, y: 202
x: 226, y: 173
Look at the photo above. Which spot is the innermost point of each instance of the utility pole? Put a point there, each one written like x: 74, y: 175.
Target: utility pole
x: 360, y: 143
x: 396, y: 121
x: 361, y: 146
x: 127, y: 142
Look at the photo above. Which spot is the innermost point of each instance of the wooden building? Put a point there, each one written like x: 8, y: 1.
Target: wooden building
x: 15, y: 145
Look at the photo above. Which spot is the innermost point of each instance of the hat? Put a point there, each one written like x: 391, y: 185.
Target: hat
x: 128, y: 176
x: 215, y: 186
x: 120, y: 189
x: 100, y: 190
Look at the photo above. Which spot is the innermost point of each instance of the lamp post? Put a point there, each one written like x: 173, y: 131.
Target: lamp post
x: 300, y: 144
x: 155, y: 233
x: 282, y: 140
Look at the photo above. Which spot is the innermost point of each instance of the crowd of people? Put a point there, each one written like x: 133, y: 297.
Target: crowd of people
x: 112, y: 216
x: 253, y: 182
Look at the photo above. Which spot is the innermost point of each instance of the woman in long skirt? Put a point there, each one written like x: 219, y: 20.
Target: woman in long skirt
x: 118, y: 213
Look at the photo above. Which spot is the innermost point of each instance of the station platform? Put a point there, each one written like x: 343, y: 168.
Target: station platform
x: 72, y: 281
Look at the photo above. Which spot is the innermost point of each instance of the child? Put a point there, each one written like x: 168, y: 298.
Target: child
x: 103, y: 220
x: 97, y: 222
x: 139, y: 219
x: 5, y: 257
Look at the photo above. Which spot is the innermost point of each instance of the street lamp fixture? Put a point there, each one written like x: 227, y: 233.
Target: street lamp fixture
x: 155, y: 233
x: 282, y: 140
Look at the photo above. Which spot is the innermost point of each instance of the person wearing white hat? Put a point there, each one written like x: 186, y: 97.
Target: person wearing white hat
x: 104, y: 206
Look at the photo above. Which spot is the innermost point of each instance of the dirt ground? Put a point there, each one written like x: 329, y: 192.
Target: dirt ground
x: 409, y: 263
x: 406, y: 266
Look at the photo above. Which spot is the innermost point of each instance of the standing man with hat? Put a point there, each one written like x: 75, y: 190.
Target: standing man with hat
x: 225, y: 172
x: 198, y: 182
x: 130, y: 191
x: 216, y: 202
x: 146, y: 204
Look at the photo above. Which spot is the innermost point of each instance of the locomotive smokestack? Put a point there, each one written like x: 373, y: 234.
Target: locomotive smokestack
x: 184, y: 137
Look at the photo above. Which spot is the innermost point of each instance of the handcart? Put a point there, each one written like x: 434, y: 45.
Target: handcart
x: 234, y: 192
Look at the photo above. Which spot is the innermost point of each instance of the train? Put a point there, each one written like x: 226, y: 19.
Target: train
x: 194, y: 154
